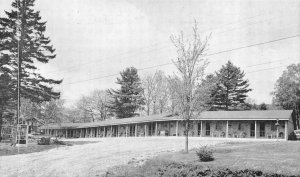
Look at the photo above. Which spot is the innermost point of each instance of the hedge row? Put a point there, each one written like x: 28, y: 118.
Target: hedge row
x: 174, y: 169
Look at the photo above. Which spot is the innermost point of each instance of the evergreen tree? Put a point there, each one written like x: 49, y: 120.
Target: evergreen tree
x: 7, y: 85
x: 23, y: 44
x: 210, y: 84
x: 231, y: 88
x: 287, y: 91
x: 127, y: 100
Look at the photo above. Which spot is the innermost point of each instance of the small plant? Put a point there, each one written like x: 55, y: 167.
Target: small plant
x: 57, y: 142
x: 44, y: 141
x: 205, y: 154
x: 292, y: 136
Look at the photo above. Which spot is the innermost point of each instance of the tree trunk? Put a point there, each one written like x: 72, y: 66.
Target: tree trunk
x: 173, y: 107
x: 1, y: 122
x: 186, y: 148
x: 148, y: 108
x: 161, y: 108
x: 154, y: 107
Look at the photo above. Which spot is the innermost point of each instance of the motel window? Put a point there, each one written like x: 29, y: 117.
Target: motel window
x: 218, y: 125
x: 273, y: 126
x: 240, y: 126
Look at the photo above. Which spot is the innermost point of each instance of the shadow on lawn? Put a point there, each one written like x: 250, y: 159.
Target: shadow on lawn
x: 6, y: 149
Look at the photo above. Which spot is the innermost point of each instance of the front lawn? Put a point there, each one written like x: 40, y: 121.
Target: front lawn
x: 6, y: 149
x: 269, y: 157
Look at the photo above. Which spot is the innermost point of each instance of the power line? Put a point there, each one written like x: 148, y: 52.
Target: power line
x: 266, y: 63
x: 137, y: 51
x: 267, y: 69
x: 246, y: 72
x: 126, y: 57
x: 252, y: 45
x: 140, y: 69
x: 216, y: 53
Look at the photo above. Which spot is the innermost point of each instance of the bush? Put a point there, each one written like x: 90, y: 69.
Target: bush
x: 292, y: 136
x: 205, y: 154
x: 164, y: 168
x: 44, y: 141
x: 56, y: 141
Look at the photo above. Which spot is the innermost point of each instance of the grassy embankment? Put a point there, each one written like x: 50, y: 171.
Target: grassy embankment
x: 270, y: 158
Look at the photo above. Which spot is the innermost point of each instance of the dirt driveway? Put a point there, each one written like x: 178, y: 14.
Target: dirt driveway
x: 92, y: 159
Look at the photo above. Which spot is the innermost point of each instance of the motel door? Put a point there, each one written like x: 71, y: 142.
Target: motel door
x: 151, y: 129
x: 207, y: 126
x: 262, y: 129
x: 132, y: 130
x: 115, y: 131
x: 199, y: 129
x: 252, y: 129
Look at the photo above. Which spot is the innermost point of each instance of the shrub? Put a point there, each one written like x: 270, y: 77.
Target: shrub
x: 292, y: 136
x: 44, y: 141
x: 205, y: 154
x: 165, y: 168
x: 56, y: 141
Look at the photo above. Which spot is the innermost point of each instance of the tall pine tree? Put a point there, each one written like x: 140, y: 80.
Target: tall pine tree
x: 127, y: 100
x: 23, y: 44
x: 7, y: 87
x: 231, y: 88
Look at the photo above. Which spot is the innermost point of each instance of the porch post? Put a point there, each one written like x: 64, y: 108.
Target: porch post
x: 177, y: 128
x: 227, y: 129
x: 126, y: 128
x: 118, y: 131
x: 286, y: 130
x: 156, y: 132
x: 135, y: 130
x: 98, y: 131
x: 111, y: 131
x: 104, y: 133
x: 201, y: 129
x: 145, y: 129
x: 255, y: 129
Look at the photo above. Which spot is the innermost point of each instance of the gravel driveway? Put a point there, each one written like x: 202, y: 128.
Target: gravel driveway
x: 92, y: 159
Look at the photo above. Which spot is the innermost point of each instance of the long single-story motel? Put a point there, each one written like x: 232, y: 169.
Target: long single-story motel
x: 227, y: 124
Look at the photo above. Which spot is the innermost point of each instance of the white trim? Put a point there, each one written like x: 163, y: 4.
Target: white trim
x: 140, y: 122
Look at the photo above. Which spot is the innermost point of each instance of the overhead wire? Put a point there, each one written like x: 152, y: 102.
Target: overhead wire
x: 131, y: 56
x: 156, y: 49
x: 216, y: 53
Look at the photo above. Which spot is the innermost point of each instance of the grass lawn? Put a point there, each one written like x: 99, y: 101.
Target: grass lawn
x: 6, y: 149
x: 268, y: 157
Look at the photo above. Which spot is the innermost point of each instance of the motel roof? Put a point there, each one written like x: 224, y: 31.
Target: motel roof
x: 206, y: 115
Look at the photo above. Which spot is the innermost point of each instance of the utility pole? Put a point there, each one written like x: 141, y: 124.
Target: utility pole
x: 20, y: 56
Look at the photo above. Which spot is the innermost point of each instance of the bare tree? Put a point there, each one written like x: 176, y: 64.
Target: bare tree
x: 45, y: 112
x: 100, y: 100
x: 53, y: 111
x: 173, y: 94
x: 149, y: 88
x: 190, y: 64
x: 161, y: 90
x: 155, y: 92
x: 93, y: 107
x: 87, y: 111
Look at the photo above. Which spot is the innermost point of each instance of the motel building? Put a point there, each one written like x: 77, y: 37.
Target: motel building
x: 225, y: 124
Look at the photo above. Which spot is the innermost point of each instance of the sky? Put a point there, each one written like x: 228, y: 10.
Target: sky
x: 97, y: 39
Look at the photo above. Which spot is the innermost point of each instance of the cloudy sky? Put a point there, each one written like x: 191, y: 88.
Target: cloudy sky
x: 96, y: 39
